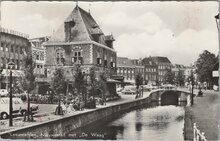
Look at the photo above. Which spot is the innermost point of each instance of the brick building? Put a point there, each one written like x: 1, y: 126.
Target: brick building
x: 150, y: 71
x: 163, y: 64
x: 12, y: 46
x: 79, y: 40
x: 39, y: 54
x: 129, y: 68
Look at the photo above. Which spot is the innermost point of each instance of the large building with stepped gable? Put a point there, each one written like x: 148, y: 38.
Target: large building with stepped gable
x: 79, y: 40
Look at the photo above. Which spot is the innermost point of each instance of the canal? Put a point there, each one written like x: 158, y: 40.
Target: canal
x: 158, y: 123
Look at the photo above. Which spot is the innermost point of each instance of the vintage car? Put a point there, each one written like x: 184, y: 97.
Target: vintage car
x: 4, y: 107
x: 19, y: 107
x: 129, y: 90
x: 23, y: 104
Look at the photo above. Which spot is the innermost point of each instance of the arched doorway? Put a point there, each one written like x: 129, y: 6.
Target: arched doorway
x: 169, y: 98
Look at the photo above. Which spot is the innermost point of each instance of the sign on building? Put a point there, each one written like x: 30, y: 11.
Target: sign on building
x: 15, y: 73
x: 215, y: 73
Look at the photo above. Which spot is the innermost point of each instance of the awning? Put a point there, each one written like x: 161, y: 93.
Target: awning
x: 113, y: 81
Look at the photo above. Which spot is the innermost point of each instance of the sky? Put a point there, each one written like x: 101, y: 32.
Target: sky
x: 178, y: 30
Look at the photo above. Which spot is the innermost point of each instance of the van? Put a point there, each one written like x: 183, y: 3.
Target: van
x: 4, y: 107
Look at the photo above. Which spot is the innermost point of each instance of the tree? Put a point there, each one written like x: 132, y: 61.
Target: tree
x: 180, y: 78
x: 79, y: 82
x: 103, y: 85
x: 138, y: 80
x: 169, y: 77
x: 204, y: 66
x: 27, y: 82
x: 58, y: 85
x: 93, y: 84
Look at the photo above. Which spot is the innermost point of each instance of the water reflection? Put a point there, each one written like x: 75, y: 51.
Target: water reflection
x: 157, y: 123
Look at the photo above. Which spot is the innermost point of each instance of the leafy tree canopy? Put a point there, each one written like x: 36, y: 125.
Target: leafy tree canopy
x: 138, y: 80
x: 58, y: 82
x: 169, y: 77
x: 204, y: 65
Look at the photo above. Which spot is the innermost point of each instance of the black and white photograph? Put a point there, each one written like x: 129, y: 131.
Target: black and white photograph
x: 109, y: 70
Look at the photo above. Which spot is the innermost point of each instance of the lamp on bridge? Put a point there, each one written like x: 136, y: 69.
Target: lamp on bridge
x: 10, y: 64
x: 217, y: 21
x: 192, y: 79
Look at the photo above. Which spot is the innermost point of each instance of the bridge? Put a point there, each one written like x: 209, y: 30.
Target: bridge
x: 170, y: 97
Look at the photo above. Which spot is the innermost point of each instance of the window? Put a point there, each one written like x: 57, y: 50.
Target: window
x: 6, y: 48
x: 99, y: 60
x: 60, y: 56
x: 105, y: 60
x: 12, y: 49
x: 21, y: 50
x: 16, y: 49
x: 2, y: 48
x: 77, y: 57
x: 112, y: 62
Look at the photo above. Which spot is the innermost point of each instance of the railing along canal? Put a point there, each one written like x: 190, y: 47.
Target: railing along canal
x: 197, y: 134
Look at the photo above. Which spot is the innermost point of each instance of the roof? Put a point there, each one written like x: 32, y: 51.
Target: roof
x: 148, y: 61
x: 124, y: 61
x: 84, y: 28
x: 160, y: 59
x: 178, y: 66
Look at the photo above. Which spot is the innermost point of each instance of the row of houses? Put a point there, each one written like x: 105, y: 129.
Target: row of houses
x: 152, y: 69
x: 79, y: 40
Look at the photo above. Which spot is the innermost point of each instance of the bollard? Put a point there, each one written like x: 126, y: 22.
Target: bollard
x: 203, y: 136
x: 197, y: 135
x: 194, y: 131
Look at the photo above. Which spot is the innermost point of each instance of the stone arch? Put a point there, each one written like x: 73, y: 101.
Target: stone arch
x: 169, y: 98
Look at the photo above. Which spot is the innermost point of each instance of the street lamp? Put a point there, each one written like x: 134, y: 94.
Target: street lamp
x: 217, y: 21
x: 192, y: 83
x: 10, y: 64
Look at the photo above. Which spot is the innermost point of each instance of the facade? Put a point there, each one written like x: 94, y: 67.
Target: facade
x: 80, y: 41
x: 150, y: 71
x: 13, y: 44
x: 178, y: 67
x: 129, y: 68
x: 163, y: 64
x: 39, y: 54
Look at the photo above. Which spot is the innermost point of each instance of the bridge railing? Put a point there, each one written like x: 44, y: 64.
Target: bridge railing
x: 197, y: 134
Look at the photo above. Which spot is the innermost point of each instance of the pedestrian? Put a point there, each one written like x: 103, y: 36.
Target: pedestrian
x: 205, y: 85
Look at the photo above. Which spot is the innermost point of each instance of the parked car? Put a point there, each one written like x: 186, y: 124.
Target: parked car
x: 4, y: 107
x: 33, y: 107
x: 215, y: 88
x: 3, y: 92
x: 129, y: 90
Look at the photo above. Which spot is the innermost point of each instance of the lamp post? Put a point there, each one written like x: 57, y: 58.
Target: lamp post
x: 10, y: 64
x: 217, y: 21
x: 192, y: 83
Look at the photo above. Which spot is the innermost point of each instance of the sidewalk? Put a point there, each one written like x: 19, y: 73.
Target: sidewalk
x: 205, y: 112
x: 48, y: 115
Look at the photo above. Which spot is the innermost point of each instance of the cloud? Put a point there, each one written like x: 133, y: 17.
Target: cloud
x: 35, y: 24
x: 183, y: 49
x: 119, y: 21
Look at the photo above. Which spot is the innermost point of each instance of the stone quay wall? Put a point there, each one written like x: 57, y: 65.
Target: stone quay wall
x: 60, y: 127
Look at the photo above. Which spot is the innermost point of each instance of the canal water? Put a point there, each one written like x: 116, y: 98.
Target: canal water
x: 161, y: 123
